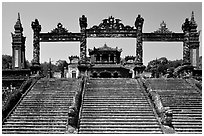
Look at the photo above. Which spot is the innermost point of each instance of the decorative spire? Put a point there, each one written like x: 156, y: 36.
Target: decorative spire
x: 193, y: 24
x: 18, y: 26
x: 19, y: 17
x: 192, y: 16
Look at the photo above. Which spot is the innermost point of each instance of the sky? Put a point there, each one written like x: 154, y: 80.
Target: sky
x: 51, y: 13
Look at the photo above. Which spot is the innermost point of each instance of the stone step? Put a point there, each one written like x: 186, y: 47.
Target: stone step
x: 176, y: 110
x: 117, y: 123
x: 40, y: 112
x: 36, y: 120
x: 33, y: 126
x: 120, y: 129
x: 122, y: 108
x: 114, y: 100
x: 115, y: 104
x: 117, y: 111
x: 116, y: 126
x: 119, y: 117
x: 140, y: 105
x: 187, y: 126
x: 186, y: 107
x: 34, y: 132
x: 187, y: 120
x: 114, y: 110
x: 34, y: 123
x: 48, y: 99
x: 119, y: 132
x: 33, y: 129
x: 187, y: 123
x: 118, y: 120
x: 43, y: 104
x: 115, y: 97
x: 189, y: 129
x: 116, y: 114
x: 42, y: 109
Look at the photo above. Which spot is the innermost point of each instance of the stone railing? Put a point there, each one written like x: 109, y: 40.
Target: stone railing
x: 75, y: 108
x: 15, y: 98
x: 165, y: 113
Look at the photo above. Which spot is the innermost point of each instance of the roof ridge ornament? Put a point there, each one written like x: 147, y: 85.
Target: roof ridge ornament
x: 60, y: 29
x: 163, y: 28
x: 111, y: 23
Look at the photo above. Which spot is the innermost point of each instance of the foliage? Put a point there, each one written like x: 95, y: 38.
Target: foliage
x: 61, y: 64
x: 47, y: 67
x: 200, y: 62
x: 6, y: 61
x: 162, y: 65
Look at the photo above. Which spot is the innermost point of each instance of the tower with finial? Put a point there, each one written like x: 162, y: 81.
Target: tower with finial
x: 193, y: 24
x: 18, y: 46
x: 194, y: 42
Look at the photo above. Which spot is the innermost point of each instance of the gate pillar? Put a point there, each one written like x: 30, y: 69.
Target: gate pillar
x: 83, y: 66
x: 139, y: 51
x: 139, y: 68
x: 83, y: 25
x: 36, y: 45
x: 186, y: 42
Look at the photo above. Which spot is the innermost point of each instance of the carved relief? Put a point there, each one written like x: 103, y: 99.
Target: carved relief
x: 139, y: 22
x: 139, y: 50
x: 186, y: 26
x: 186, y: 48
x: 83, y: 21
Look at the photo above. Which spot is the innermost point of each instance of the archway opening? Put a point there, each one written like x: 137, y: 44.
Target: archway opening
x: 105, y: 74
x: 115, y: 75
x: 58, y: 51
x: 74, y: 74
x: 155, y: 50
x: 94, y: 75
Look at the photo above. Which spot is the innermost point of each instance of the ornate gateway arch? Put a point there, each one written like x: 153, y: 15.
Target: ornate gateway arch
x: 113, y: 28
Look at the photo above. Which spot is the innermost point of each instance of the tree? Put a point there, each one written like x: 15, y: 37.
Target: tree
x: 47, y: 67
x: 160, y: 66
x: 61, y: 65
x: 200, y: 62
x: 6, y: 62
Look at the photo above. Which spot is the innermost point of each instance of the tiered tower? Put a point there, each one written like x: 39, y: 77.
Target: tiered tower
x: 18, y: 46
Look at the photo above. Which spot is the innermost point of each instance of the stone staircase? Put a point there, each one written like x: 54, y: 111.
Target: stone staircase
x: 184, y: 100
x: 117, y: 106
x: 44, y: 109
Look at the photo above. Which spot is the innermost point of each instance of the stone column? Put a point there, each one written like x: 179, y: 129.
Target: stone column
x: 83, y: 66
x: 139, y: 51
x: 36, y: 43
x: 114, y: 58
x: 109, y: 56
x: 83, y: 25
x: 100, y: 57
